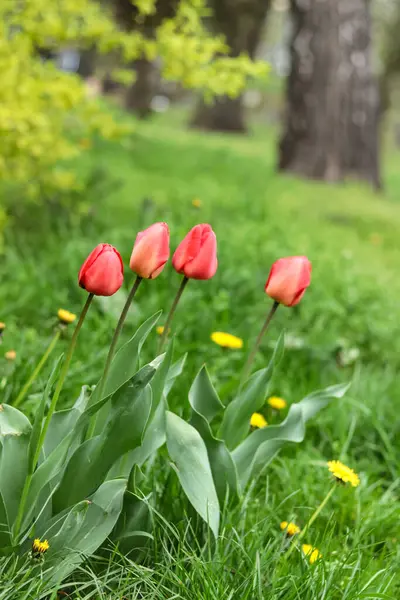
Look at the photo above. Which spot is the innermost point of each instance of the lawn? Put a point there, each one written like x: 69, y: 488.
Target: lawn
x: 347, y: 328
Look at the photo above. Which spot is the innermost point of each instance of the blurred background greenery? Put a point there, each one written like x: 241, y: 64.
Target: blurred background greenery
x: 303, y: 161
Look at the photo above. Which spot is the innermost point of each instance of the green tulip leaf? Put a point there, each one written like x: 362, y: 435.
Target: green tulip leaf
x: 254, y: 454
x: 159, y: 380
x: 173, y: 373
x: 236, y: 421
x: 15, y: 432
x: 206, y: 405
x: 63, y: 421
x: 64, y: 436
x: 132, y: 531
x: 154, y: 437
x: 190, y: 460
x: 51, y: 469
x: 64, y: 527
x: 136, y: 477
x: 125, y: 362
x: 83, y: 528
x: 47, y: 471
x: 37, y: 424
x: 203, y: 398
x: 5, y: 534
x: 123, y: 431
x: 99, y: 522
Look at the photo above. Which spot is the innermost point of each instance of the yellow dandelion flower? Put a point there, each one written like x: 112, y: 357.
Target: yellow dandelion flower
x: 11, y: 355
x: 258, y: 420
x: 289, y: 528
x: 226, y: 340
x: 39, y: 547
x: 196, y: 203
x: 2, y: 326
x: 312, y: 553
x: 277, y: 403
x: 65, y: 316
x: 342, y: 473
x: 160, y: 329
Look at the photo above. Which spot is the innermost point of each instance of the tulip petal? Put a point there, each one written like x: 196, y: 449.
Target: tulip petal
x: 105, y: 276
x: 196, y: 255
x: 90, y: 260
x: 150, y: 251
x: 204, y: 265
x: 188, y: 248
x: 288, y: 279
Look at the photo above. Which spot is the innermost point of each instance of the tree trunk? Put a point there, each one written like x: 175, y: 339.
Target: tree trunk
x: 332, y: 112
x: 391, y: 58
x: 242, y: 23
x: 87, y: 63
x: 140, y: 94
x: 223, y: 114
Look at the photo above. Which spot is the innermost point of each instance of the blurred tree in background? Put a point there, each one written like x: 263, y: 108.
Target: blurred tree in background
x: 140, y: 94
x: 390, y: 20
x: 47, y: 116
x: 242, y: 22
x: 332, y: 101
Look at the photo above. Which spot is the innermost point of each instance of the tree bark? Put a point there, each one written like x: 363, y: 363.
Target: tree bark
x: 332, y: 111
x: 87, y: 63
x: 223, y: 114
x: 242, y: 23
x: 391, y: 59
x: 140, y: 94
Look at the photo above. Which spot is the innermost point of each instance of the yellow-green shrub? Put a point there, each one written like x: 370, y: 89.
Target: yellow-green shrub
x: 46, y: 115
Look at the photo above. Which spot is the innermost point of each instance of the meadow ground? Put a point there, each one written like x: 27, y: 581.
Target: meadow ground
x: 351, y: 236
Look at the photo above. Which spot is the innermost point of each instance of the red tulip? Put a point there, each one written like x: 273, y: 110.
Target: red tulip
x: 288, y: 280
x: 102, y: 273
x: 196, y: 255
x: 150, y: 251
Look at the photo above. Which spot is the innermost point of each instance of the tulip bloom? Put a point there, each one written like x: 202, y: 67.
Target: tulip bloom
x: 196, y: 255
x: 102, y: 273
x: 150, y: 251
x: 288, y: 280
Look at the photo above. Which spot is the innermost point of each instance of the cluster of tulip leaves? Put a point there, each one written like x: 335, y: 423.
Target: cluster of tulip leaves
x: 86, y: 491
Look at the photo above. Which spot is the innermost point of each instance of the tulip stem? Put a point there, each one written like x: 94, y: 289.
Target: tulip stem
x: 171, y: 314
x: 24, y: 390
x: 56, y: 395
x: 252, y: 355
x: 116, y: 335
x: 111, y: 351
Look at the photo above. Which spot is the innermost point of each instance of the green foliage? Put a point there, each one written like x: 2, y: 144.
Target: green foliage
x: 79, y: 492
x: 188, y: 452
x: 354, y: 295
x: 256, y: 452
x: 48, y: 117
x: 249, y: 400
x: 206, y: 405
x: 79, y: 507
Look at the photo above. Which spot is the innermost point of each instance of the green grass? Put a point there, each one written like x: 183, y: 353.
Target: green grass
x: 351, y: 236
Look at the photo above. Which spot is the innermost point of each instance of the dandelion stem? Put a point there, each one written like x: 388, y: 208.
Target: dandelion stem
x: 252, y: 355
x: 171, y: 314
x: 53, y: 404
x: 310, y: 522
x: 38, y: 368
x: 111, y: 351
